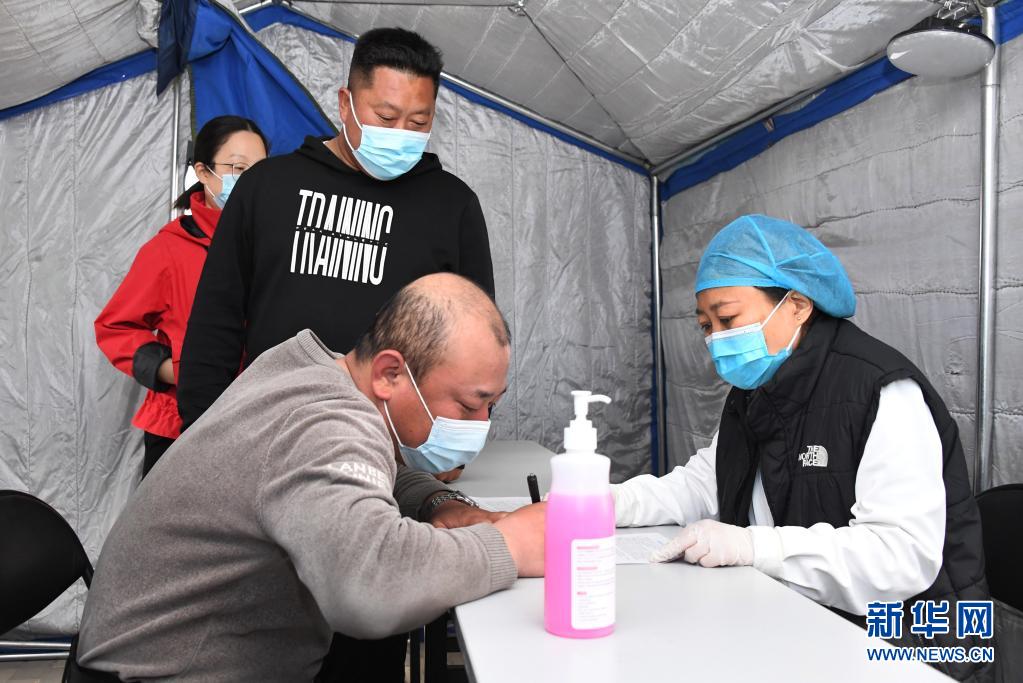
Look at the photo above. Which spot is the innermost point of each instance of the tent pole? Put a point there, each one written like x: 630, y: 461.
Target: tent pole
x: 990, y: 89
x: 175, y: 185
x: 257, y: 5
x: 655, y: 253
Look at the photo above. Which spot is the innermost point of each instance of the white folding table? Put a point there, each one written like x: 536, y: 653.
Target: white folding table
x: 674, y: 622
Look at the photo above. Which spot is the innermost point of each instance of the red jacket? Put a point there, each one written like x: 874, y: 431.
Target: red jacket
x: 144, y: 321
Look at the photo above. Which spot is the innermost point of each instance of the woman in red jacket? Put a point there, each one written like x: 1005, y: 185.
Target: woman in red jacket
x: 142, y: 327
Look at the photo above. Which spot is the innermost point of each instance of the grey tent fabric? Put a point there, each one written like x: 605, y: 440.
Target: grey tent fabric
x: 673, y: 74
x: 84, y: 183
x: 892, y: 186
x: 650, y: 78
x: 570, y: 241
x: 493, y: 48
x: 44, y: 45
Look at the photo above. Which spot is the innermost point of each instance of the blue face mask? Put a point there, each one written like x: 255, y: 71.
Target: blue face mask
x: 226, y: 185
x: 386, y: 153
x: 741, y: 356
x: 451, y: 443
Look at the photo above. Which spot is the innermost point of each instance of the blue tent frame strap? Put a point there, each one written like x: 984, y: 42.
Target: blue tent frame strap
x: 116, y: 72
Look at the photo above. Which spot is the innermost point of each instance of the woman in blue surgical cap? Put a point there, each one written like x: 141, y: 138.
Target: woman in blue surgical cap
x: 836, y: 467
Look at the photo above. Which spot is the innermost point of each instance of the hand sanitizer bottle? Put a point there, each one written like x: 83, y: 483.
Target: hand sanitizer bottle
x: 579, y: 560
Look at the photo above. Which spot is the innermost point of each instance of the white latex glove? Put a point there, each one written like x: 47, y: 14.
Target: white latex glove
x: 710, y: 543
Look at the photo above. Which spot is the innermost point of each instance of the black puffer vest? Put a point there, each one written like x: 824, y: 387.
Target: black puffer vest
x: 806, y: 429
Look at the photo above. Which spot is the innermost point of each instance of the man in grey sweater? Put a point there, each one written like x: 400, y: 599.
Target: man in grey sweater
x: 276, y: 518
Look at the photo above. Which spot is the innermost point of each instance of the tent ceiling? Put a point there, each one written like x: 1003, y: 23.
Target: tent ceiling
x: 651, y: 78
x: 44, y: 45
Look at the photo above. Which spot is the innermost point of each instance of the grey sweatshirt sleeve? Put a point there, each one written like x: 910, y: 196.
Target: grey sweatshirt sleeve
x: 325, y: 497
x: 412, y: 488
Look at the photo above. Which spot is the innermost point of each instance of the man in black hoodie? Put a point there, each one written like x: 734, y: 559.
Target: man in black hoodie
x: 313, y: 239
x: 322, y: 237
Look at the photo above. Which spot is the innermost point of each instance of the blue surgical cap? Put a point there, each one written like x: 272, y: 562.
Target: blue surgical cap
x: 760, y: 251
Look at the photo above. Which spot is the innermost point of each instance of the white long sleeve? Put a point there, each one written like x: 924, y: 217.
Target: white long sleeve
x: 686, y: 494
x: 891, y: 549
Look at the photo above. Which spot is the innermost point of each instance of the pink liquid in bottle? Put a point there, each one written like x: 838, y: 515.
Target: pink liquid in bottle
x: 579, y: 564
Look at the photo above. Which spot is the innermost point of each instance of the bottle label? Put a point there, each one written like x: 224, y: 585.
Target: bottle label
x: 593, y: 583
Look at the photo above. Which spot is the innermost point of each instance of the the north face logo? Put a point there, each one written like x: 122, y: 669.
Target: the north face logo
x: 814, y: 456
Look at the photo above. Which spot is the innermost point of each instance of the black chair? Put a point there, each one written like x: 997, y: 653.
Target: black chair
x: 1001, y: 512
x: 42, y: 557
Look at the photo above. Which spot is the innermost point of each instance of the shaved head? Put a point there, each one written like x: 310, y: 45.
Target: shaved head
x: 423, y: 317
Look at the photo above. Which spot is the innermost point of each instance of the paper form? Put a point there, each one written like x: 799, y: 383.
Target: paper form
x: 629, y: 548
x: 637, y: 548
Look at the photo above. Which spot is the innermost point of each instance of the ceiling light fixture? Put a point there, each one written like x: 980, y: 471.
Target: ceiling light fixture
x: 942, y: 48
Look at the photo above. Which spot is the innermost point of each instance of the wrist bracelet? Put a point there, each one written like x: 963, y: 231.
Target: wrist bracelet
x: 431, y: 506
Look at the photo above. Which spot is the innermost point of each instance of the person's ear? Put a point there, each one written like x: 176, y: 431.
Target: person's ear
x: 803, y: 305
x: 343, y: 103
x: 202, y: 172
x: 385, y: 370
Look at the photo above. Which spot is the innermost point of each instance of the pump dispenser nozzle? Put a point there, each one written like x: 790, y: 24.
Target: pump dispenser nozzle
x: 581, y: 435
